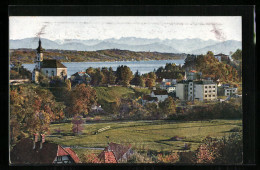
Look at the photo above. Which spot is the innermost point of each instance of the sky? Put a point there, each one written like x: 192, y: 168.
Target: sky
x: 218, y: 28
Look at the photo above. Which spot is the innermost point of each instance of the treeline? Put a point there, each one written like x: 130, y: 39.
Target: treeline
x: 28, y: 56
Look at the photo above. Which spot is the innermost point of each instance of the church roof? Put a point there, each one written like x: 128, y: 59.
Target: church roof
x: 52, y: 64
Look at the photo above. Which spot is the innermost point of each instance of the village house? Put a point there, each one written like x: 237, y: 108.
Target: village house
x: 149, y: 99
x: 221, y: 57
x: 121, y: 153
x: 160, y: 94
x: 47, y: 67
x: 80, y: 77
x: 28, y: 151
x: 227, y: 91
x: 204, y: 90
x: 96, y: 108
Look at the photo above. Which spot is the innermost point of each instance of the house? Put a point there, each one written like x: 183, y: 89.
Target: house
x: 167, y: 82
x: 80, y: 77
x: 149, y: 99
x: 160, y: 94
x: 47, y: 67
x: 171, y: 89
x: 96, y: 108
x: 121, y: 153
x: 190, y: 90
x: 221, y: 57
x: 28, y: 151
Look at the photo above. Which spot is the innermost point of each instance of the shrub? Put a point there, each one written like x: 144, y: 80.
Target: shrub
x: 171, y: 158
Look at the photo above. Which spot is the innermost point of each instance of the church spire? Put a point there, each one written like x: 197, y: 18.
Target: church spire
x: 40, y: 49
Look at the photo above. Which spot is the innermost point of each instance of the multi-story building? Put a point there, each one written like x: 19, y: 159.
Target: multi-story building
x: 203, y: 90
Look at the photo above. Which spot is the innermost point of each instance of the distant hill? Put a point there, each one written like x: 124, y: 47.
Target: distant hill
x: 191, y: 46
x: 224, y: 47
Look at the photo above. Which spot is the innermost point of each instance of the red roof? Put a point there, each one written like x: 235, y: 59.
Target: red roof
x: 193, y: 71
x: 61, y: 151
x: 73, y: 155
x: 107, y: 157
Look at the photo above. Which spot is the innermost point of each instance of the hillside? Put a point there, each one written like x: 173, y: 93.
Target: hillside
x: 28, y: 55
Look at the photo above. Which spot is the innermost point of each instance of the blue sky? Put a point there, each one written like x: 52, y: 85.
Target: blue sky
x: 219, y: 28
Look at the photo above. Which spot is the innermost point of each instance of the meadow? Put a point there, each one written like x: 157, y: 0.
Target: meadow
x: 142, y: 135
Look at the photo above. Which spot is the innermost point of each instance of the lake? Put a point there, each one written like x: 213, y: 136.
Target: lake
x: 141, y: 66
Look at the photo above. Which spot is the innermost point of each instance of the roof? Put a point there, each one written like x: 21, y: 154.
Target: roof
x: 204, y: 82
x: 160, y: 92
x: 23, y: 153
x: 117, y: 149
x: 193, y: 71
x: 73, y: 155
x: 52, y: 64
x: 149, y: 98
x: 107, y: 157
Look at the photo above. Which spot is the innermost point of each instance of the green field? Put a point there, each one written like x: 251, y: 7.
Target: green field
x: 144, y: 135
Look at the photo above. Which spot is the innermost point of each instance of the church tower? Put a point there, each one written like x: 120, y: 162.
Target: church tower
x: 39, y: 55
x: 38, y: 60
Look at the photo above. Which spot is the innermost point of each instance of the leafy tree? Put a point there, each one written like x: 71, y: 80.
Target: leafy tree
x: 124, y: 75
x: 237, y: 55
x: 77, y: 124
x: 81, y: 98
x: 32, y: 108
x: 168, y: 106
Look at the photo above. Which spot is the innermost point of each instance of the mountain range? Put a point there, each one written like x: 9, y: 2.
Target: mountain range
x: 188, y: 46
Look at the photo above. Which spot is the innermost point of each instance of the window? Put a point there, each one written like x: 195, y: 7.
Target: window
x: 46, y: 71
x: 213, y: 95
x: 227, y: 93
x: 59, y: 158
x: 190, y: 92
x: 206, y: 87
x: 210, y: 91
x: 213, y: 86
x: 52, y: 73
x: 190, y: 88
x: 205, y: 95
x: 233, y: 90
x: 209, y: 95
x: 209, y: 86
x: 206, y: 91
x: 214, y: 91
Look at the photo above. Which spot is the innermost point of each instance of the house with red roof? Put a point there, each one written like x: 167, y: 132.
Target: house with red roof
x: 28, y: 151
x: 115, y: 153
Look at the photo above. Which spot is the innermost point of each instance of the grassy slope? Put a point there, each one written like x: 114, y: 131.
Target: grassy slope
x: 108, y: 95
x: 151, y: 135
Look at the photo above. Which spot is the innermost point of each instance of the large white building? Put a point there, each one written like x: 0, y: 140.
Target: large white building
x: 48, y: 67
x: 204, y: 90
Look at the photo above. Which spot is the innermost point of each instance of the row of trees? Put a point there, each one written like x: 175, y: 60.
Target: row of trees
x: 122, y: 76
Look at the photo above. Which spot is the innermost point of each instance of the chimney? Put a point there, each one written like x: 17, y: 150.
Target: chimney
x: 35, y: 139
x: 42, y: 140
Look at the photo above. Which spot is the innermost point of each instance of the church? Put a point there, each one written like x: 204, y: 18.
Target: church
x: 48, y: 67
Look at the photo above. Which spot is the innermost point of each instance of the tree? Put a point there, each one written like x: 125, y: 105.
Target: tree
x: 81, y: 98
x: 168, y: 106
x: 77, y: 124
x: 237, y: 55
x: 32, y: 108
x: 124, y: 75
